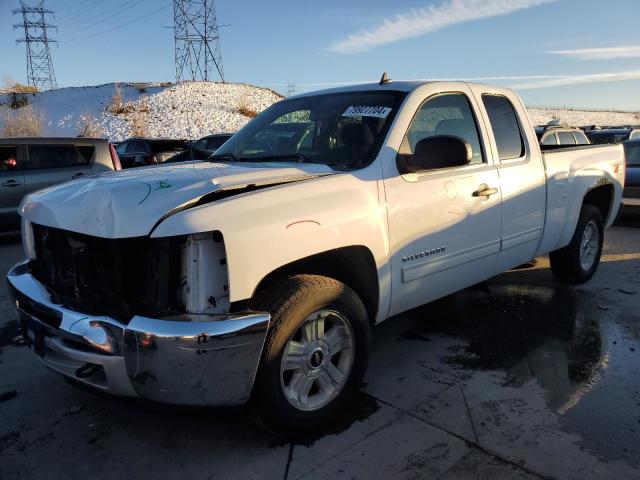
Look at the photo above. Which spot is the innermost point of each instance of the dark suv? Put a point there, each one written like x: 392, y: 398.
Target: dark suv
x: 613, y: 135
x: 137, y: 152
x: 202, y: 148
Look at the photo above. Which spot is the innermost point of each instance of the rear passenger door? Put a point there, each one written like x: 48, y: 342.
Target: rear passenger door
x: 522, y: 177
x: 11, y: 186
x: 52, y: 164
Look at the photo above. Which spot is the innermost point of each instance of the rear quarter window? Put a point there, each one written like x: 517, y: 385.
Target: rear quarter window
x: 55, y: 156
x: 505, y: 126
x: 581, y: 138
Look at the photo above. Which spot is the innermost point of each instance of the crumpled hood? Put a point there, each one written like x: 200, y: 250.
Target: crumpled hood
x: 129, y: 203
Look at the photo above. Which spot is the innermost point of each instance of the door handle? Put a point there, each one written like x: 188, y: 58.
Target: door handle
x: 78, y: 175
x: 485, y: 191
x: 10, y: 183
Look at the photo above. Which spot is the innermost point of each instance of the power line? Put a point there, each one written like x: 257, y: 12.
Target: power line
x: 81, y: 10
x: 122, y: 25
x: 197, y: 40
x: 116, y: 11
x: 106, y: 15
x: 40, y: 72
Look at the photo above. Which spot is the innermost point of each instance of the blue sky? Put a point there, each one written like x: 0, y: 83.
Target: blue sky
x: 580, y: 53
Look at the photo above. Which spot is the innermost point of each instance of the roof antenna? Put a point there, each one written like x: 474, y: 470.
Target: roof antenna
x: 384, y: 79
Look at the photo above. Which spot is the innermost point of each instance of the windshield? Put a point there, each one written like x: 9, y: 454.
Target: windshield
x: 342, y: 130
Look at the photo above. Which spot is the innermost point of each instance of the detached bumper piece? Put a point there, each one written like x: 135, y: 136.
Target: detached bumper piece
x: 212, y: 361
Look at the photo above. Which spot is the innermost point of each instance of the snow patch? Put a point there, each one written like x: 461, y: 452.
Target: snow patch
x: 187, y: 110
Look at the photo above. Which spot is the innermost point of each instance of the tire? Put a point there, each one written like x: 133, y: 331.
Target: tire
x: 297, y: 305
x: 571, y: 264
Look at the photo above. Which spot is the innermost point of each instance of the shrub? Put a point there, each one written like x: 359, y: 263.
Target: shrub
x: 18, y: 100
x: 245, y: 109
x: 20, y: 88
x: 23, y: 122
x: 139, y: 126
x: 117, y: 105
x: 88, y: 126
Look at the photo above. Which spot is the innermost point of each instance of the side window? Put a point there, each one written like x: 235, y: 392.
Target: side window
x: 566, y: 138
x: 136, y: 146
x: 550, y: 139
x: 504, y: 124
x: 122, y: 148
x: 9, y: 158
x: 200, y: 144
x: 55, y: 156
x: 581, y: 138
x: 635, y: 135
x: 215, y: 143
x: 446, y: 114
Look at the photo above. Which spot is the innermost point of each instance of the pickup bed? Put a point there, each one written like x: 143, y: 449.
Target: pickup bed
x: 328, y: 213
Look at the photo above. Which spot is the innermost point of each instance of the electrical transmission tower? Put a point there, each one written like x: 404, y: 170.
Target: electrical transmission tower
x: 291, y: 88
x: 197, y: 40
x: 39, y: 65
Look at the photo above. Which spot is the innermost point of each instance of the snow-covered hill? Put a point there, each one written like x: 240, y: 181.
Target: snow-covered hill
x: 194, y: 109
x: 542, y: 116
x: 184, y: 110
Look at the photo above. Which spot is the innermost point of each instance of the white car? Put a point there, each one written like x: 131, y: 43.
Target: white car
x: 260, y: 273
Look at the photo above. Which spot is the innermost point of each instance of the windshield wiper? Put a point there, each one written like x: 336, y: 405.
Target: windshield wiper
x: 284, y: 157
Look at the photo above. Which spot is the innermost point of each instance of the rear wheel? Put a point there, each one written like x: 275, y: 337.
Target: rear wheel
x: 577, y: 262
x: 315, y: 354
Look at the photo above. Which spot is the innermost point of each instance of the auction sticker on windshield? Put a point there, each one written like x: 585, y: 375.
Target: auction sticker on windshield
x: 367, y: 111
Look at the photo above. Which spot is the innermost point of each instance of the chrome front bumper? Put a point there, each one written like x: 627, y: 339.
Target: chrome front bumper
x: 211, y: 362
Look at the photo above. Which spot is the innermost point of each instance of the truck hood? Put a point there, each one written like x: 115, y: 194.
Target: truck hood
x: 130, y: 203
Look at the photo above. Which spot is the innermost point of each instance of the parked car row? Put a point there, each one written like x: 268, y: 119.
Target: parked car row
x: 31, y: 164
x: 554, y: 135
x: 566, y: 135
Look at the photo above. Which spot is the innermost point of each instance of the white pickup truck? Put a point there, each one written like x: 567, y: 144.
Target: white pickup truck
x: 259, y: 274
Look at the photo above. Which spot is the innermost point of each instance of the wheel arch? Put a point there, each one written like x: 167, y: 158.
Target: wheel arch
x: 354, y: 266
x: 601, y: 196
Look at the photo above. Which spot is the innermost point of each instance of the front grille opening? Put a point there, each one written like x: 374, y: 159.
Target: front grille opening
x: 119, y: 278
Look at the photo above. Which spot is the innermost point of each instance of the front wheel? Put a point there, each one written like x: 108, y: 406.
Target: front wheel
x: 315, y: 354
x: 577, y: 262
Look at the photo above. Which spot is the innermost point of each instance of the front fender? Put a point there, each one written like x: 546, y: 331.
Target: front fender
x: 266, y: 229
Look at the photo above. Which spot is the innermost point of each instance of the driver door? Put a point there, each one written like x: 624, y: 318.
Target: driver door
x: 443, y: 235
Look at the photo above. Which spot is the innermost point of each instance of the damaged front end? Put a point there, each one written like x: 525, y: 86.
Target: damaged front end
x: 138, y: 316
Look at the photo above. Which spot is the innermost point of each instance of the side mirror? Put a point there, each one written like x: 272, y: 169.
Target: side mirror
x: 440, y: 151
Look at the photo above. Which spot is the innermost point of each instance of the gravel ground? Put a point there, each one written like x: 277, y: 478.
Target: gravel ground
x: 518, y: 377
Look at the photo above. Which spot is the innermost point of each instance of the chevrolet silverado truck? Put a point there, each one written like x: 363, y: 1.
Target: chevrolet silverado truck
x: 257, y: 276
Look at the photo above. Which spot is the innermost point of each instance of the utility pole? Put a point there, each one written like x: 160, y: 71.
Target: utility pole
x: 40, y: 72
x: 197, y: 40
x: 291, y: 88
